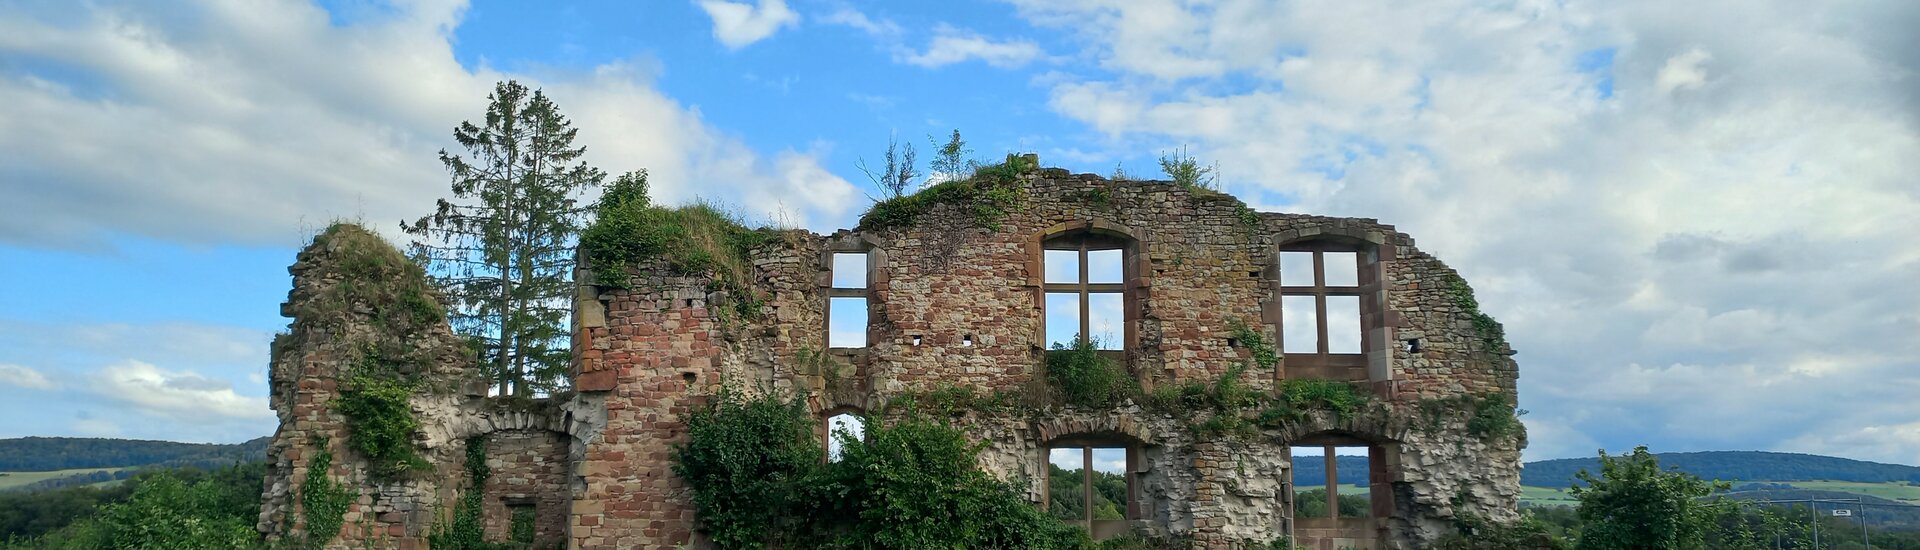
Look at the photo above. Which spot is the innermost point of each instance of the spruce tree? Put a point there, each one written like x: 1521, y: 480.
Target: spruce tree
x: 503, y: 253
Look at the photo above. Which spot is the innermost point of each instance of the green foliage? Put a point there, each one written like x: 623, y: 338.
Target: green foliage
x: 915, y: 484
x: 1490, y: 416
x: 378, y: 278
x: 158, y: 507
x: 899, y: 171
x: 1083, y: 377
x: 323, y: 503
x: 1632, y: 503
x: 1312, y: 503
x: 951, y: 400
x: 1475, y: 533
x: 504, y: 252
x: 991, y: 193
x: 1109, y: 490
x: 467, y: 530
x: 750, y: 463
x: 1489, y: 330
x: 1296, y: 398
x: 1187, y: 171
x: 380, y: 423
x: 950, y: 158
x: 521, y: 525
x: 1255, y: 341
x: 696, y: 239
x: 1740, y: 465
x: 754, y: 466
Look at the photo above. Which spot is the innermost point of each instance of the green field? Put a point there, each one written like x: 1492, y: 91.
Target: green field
x: 16, y: 479
x: 1904, y: 492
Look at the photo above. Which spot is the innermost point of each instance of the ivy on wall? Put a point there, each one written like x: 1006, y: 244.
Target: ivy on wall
x: 323, y: 502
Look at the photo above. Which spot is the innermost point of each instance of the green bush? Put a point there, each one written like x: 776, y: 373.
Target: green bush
x: 754, y: 466
x: 749, y: 462
x: 991, y: 194
x: 380, y: 423
x: 1474, y: 533
x: 1084, y: 377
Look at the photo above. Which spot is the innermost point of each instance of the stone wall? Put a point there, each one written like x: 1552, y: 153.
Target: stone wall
x: 953, y: 302
x: 1198, y: 262
x: 349, y: 314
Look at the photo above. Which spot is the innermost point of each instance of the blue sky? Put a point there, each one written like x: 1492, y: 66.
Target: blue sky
x: 1695, y: 220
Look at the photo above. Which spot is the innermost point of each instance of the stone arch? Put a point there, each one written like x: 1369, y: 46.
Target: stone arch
x: 1113, y: 426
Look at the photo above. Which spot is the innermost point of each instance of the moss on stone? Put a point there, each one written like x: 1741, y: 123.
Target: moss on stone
x: 991, y: 194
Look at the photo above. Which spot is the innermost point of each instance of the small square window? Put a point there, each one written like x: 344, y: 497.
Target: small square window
x: 1343, y: 268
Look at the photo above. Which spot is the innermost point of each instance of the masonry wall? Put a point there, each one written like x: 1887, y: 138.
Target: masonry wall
x: 1199, y: 262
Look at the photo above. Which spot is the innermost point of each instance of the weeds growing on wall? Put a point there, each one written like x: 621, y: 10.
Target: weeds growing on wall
x: 377, y: 404
x: 990, y: 194
x: 378, y: 278
x: 696, y: 239
x: 323, y: 503
x: 1490, y: 416
x: 1082, y: 376
x: 1489, y: 330
x: 755, y: 470
x: 466, y: 530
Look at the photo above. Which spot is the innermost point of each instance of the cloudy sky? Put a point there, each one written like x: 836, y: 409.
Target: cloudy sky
x: 1697, y: 219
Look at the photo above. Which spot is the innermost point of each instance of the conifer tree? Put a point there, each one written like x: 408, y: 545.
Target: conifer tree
x: 503, y: 253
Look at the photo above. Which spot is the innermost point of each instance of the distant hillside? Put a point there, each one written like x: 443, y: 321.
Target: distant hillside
x: 40, y: 454
x: 1735, y: 465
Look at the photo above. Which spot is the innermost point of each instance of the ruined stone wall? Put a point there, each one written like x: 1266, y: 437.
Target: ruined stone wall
x: 351, y: 309
x: 1199, y: 262
x: 529, y: 469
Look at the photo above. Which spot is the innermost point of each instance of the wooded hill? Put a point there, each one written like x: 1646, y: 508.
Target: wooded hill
x: 1733, y: 466
x: 41, y: 454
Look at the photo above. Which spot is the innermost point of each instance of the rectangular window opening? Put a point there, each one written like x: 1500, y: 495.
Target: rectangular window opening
x: 841, y: 429
x: 1104, y: 266
x: 1299, y: 326
x: 1106, y: 319
x: 846, y: 322
x: 1090, y: 486
x: 1351, y: 490
x: 1343, y: 268
x: 1296, y: 269
x: 849, y: 270
x: 1063, y: 319
x: 1343, y: 324
x: 1062, y: 266
x: 521, y: 522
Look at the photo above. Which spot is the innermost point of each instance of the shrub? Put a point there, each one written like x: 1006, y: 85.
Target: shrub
x: 380, y: 423
x: 749, y: 461
x: 990, y: 194
x: 1084, y: 377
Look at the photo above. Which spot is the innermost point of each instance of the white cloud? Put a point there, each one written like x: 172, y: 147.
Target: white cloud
x: 254, y: 121
x: 951, y: 45
x: 738, y: 24
x: 184, y: 395
x: 846, y: 15
x: 1682, y: 72
x: 1697, y: 246
x: 18, y: 376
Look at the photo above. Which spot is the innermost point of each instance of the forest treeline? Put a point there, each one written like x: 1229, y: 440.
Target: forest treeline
x: 44, y: 454
x: 1734, y: 465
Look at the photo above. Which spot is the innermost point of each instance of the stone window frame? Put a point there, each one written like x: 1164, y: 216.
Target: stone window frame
x: 1078, y: 235
x: 851, y: 243
x: 1373, y: 250
x: 1382, y: 463
x: 1105, y: 528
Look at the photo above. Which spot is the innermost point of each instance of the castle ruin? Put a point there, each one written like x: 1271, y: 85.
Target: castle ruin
x: 1177, y: 285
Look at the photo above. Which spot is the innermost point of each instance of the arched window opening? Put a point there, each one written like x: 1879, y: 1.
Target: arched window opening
x: 1092, y: 484
x: 1085, y: 287
x: 841, y: 429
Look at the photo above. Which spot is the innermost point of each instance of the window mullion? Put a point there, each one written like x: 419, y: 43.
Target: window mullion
x: 1086, y: 488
